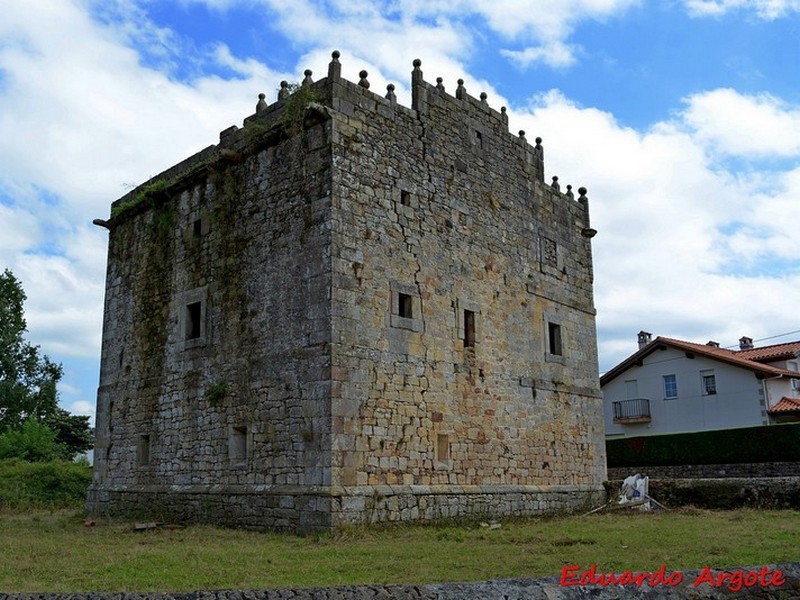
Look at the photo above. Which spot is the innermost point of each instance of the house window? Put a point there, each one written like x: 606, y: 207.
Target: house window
x: 469, y: 329
x: 709, y: 383
x: 670, y: 386
x: 238, y: 445
x: 554, y: 338
x: 143, y: 450
x: 443, y: 449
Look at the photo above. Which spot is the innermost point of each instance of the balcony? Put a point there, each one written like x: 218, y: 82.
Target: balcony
x: 636, y: 410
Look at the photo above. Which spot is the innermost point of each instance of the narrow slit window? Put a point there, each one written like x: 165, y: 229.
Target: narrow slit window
x: 405, y: 198
x: 479, y: 139
x: 197, y: 228
x: 443, y: 448
x: 404, y: 306
x: 554, y: 338
x: 469, y: 329
x: 238, y: 445
x: 194, y: 315
x: 143, y: 451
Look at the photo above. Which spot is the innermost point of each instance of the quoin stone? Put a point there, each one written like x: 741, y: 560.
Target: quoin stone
x: 350, y: 311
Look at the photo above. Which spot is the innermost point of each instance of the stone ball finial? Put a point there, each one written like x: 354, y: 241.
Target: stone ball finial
x: 503, y: 109
x: 417, y: 63
x: 484, y: 96
x: 284, y: 91
x: 460, y: 82
x: 363, y: 81
x: 522, y: 133
x: 555, y: 185
x: 390, y: 93
x: 439, y: 84
x: 307, y: 72
x: 390, y: 87
x: 582, y: 191
x: 335, y: 55
x: 262, y: 103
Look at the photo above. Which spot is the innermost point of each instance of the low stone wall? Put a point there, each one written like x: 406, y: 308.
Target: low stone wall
x: 549, y: 588
x: 308, y: 509
x: 718, y: 493
x: 776, y: 469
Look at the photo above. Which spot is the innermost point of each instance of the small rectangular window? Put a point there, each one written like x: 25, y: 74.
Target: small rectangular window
x: 443, y: 448
x: 554, y: 338
x: 479, y: 139
x: 670, y: 386
x: 194, y: 315
x: 709, y: 383
x: 197, y: 227
x: 238, y: 445
x: 404, y: 306
x: 469, y: 329
x: 143, y: 450
x: 405, y: 198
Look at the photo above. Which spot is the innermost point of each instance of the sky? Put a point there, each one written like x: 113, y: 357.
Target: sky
x: 681, y: 118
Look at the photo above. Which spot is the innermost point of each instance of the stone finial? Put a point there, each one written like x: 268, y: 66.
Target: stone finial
x: 587, y: 231
x: 522, y: 134
x: 307, y: 79
x: 484, y: 96
x: 262, y: 104
x: 570, y: 195
x: 363, y: 81
x: 555, y: 185
x: 390, y: 94
x: 461, y: 91
x: 283, y: 93
x: 334, y: 67
x: 419, y: 93
x: 504, y: 115
x: 439, y: 84
x: 539, y: 143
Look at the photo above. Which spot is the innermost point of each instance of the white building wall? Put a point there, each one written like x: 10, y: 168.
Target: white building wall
x: 739, y: 401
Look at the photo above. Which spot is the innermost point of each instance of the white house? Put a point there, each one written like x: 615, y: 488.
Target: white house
x: 672, y: 386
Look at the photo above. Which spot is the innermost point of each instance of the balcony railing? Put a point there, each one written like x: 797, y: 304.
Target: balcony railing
x: 636, y: 410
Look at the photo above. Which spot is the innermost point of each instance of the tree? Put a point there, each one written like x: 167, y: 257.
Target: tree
x: 27, y: 379
x: 72, y: 432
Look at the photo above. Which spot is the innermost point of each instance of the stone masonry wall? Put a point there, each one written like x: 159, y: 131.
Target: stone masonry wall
x: 426, y: 208
x: 241, y: 402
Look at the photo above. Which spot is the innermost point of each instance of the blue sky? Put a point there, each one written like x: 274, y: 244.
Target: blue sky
x: 681, y: 117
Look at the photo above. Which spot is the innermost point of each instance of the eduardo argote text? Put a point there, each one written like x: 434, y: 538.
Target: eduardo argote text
x: 734, y: 580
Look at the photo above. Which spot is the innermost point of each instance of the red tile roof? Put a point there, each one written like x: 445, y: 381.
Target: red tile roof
x: 786, y: 405
x: 737, y: 358
x: 775, y: 352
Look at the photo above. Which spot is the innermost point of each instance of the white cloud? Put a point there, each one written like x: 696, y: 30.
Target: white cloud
x: 744, y: 125
x: 764, y: 9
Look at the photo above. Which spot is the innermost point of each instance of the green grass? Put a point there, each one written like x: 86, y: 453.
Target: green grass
x: 54, y: 551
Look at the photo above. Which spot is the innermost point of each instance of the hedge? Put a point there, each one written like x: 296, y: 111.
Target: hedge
x: 767, y: 443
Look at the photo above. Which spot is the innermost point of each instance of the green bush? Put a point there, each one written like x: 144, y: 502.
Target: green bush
x: 768, y: 443
x: 34, y: 441
x: 53, y: 484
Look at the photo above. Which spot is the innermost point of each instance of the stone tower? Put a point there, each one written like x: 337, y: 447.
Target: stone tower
x: 350, y: 311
